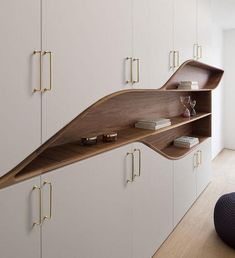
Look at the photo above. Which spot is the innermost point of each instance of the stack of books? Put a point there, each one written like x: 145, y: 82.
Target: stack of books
x: 186, y: 142
x: 188, y: 85
x: 153, y: 124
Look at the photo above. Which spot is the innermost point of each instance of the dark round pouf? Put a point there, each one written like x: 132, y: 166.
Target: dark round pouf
x: 224, y: 218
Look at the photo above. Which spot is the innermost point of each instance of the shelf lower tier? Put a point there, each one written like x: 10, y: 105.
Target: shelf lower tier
x: 59, y: 156
x: 173, y: 152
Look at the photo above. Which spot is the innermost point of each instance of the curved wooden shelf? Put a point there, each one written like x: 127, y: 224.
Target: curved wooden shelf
x: 208, y: 77
x: 118, y: 112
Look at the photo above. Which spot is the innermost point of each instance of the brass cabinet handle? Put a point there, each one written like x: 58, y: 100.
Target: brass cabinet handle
x: 195, y: 51
x: 131, y: 69
x: 132, y: 167
x: 36, y: 52
x: 35, y: 187
x: 50, y: 56
x: 195, y: 160
x: 172, y: 60
x: 176, y: 59
x: 50, y: 201
x: 138, y: 70
x: 199, y: 157
x: 199, y: 52
x: 139, y: 172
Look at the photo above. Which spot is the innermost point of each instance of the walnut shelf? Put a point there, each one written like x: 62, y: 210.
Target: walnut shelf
x: 65, y: 154
x: 118, y: 112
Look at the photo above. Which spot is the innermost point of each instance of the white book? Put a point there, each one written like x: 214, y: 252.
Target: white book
x: 186, y: 143
x: 157, y: 121
x: 186, y: 140
x: 188, y: 87
x: 150, y: 126
x: 188, y: 146
x: 188, y: 83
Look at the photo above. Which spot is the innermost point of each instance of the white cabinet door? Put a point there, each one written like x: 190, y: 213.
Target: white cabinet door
x: 90, y: 41
x: 19, y: 107
x: 91, y: 209
x: 204, y: 172
x: 184, y: 28
x: 153, y: 41
x: 204, y: 30
x: 153, y: 202
x: 19, y: 210
x: 184, y: 185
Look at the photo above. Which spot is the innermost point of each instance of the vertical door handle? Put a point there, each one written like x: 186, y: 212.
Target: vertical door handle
x: 176, y: 59
x: 199, y: 157
x: 195, y: 160
x: 139, y: 152
x: 50, y: 57
x: 138, y: 70
x: 131, y: 69
x: 172, y: 60
x: 36, y: 52
x: 132, y: 167
x: 195, y: 51
x: 39, y: 222
x: 50, y: 201
x: 199, y: 51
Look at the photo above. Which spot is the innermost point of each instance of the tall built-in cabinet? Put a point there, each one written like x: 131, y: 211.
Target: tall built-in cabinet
x: 57, y: 58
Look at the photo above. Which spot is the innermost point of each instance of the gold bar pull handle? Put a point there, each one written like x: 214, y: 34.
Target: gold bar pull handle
x: 132, y: 167
x: 131, y: 69
x: 195, y: 160
x: 139, y: 169
x: 195, y: 51
x: 172, y: 60
x: 36, y: 52
x: 199, y: 157
x: 39, y: 222
x: 138, y: 70
x: 45, y: 183
x: 50, y: 56
x: 199, y: 50
x: 176, y: 59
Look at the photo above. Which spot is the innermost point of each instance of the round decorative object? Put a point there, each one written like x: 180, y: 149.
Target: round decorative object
x: 224, y: 218
x: 110, y: 137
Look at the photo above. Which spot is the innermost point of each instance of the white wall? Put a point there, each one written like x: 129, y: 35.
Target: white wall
x: 229, y: 105
x: 218, y: 94
x: 224, y: 13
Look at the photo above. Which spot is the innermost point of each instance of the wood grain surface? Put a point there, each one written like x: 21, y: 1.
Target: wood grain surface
x: 118, y: 112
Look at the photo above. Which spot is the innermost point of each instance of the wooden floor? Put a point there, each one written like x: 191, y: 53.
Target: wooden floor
x: 195, y: 236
